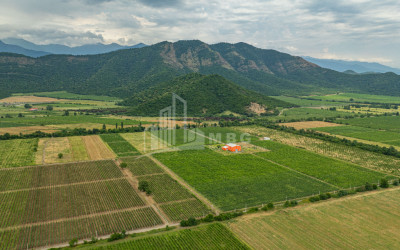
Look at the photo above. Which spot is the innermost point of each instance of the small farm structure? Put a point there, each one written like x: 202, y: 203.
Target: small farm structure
x: 232, y: 147
x: 266, y: 139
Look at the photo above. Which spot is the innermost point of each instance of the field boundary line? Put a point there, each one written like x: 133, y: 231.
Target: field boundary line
x: 73, y: 218
x: 174, y: 176
x: 61, y: 185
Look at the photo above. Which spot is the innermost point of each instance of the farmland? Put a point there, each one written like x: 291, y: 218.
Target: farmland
x: 386, y: 137
x: 288, y: 115
x: 51, y: 204
x: 388, y: 123
x: 141, y: 166
x: 119, y: 145
x: 375, y: 161
x: 335, y: 172
x: 354, y: 97
x: 66, y: 95
x: 367, y: 221
x: 303, y: 102
x: 214, y: 236
x: 15, y: 153
x: 238, y: 181
x: 96, y: 148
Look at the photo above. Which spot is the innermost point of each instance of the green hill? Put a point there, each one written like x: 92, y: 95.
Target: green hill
x: 205, y: 95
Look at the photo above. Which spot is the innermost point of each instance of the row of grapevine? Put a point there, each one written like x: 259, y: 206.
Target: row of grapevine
x: 39, y: 205
x: 50, y: 175
x: 182, y: 210
x: 165, y: 189
x: 214, y: 236
x: 142, y: 165
x: 119, y: 145
x: 16, y: 153
x: 83, y: 228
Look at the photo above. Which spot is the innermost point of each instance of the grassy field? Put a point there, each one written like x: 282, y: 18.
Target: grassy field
x: 119, y: 145
x: 388, y: 123
x: 51, y: 204
x: 386, y: 137
x: 240, y: 180
x: 289, y: 115
x: 16, y: 153
x: 214, y: 236
x: 67, y: 95
x: 375, y: 161
x: 345, y: 97
x: 96, y: 148
x: 368, y: 221
x: 309, y: 103
x: 335, y: 172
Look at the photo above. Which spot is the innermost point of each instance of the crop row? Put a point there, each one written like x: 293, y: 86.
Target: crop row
x: 383, y: 163
x: 16, y: 153
x: 214, y: 236
x: 142, y: 165
x: 39, y: 205
x: 165, y: 189
x: 239, y: 180
x: 50, y: 175
x: 335, y: 172
x: 182, y: 210
x: 82, y: 228
x: 119, y: 145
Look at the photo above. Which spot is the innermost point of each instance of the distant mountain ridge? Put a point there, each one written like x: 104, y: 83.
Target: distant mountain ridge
x: 9, y: 48
x: 127, y: 72
x: 88, y: 49
x: 356, y: 66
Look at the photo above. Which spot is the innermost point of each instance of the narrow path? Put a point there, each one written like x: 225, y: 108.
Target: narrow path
x: 187, y: 186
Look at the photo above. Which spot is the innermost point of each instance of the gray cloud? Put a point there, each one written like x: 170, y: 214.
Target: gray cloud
x: 352, y: 29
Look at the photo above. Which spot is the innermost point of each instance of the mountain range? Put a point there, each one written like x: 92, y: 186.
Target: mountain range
x: 127, y: 72
x: 21, y: 46
x: 355, y: 66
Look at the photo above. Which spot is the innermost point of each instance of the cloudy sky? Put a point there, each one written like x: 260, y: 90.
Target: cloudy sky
x: 366, y: 30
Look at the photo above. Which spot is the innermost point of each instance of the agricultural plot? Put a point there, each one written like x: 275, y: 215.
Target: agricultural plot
x: 288, y: 115
x: 78, y: 149
x: 335, y: 172
x: 81, y: 228
x: 214, y: 236
x: 61, y: 174
x: 142, y: 165
x: 66, y: 95
x: 182, y: 210
x: 50, y: 204
x: 96, y: 148
x: 362, y: 222
x: 240, y: 180
x: 386, y: 137
x: 119, y: 145
x: 165, y: 189
x: 353, y: 97
x: 375, y: 161
x: 388, y: 123
x: 144, y: 142
x: 308, y: 103
x: 50, y: 148
x: 310, y: 124
x: 16, y: 153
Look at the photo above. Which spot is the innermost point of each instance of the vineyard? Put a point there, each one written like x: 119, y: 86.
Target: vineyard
x: 50, y: 204
x: 375, y: 161
x: 214, y: 236
x: 240, y: 180
x: 78, y: 148
x: 142, y: 165
x: 185, y: 209
x: 119, y: 145
x: 387, y: 137
x: 16, y: 153
x: 388, y: 123
x: 333, y: 171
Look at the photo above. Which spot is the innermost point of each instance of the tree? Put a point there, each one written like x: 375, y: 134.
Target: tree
x: 49, y: 108
x: 66, y: 113
x: 20, y: 115
x: 122, y: 124
x: 123, y: 165
x: 60, y: 155
x: 384, y: 183
x: 28, y: 106
x: 104, y: 127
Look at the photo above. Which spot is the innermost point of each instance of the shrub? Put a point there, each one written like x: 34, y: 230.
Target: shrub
x: 116, y: 236
x: 374, y: 186
x: 287, y: 204
x: 60, y: 155
x: 368, y: 187
x: 190, y: 222
x: 384, y: 183
x: 395, y: 182
x: 342, y: 193
x: 264, y: 208
x: 314, y: 198
x: 123, y: 165
x: 270, y: 205
x: 144, y: 187
x: 361, y: 189
x: 293, y: 203
x: 252, y: 210
x: 73, y: 242
x: 209, y: 218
